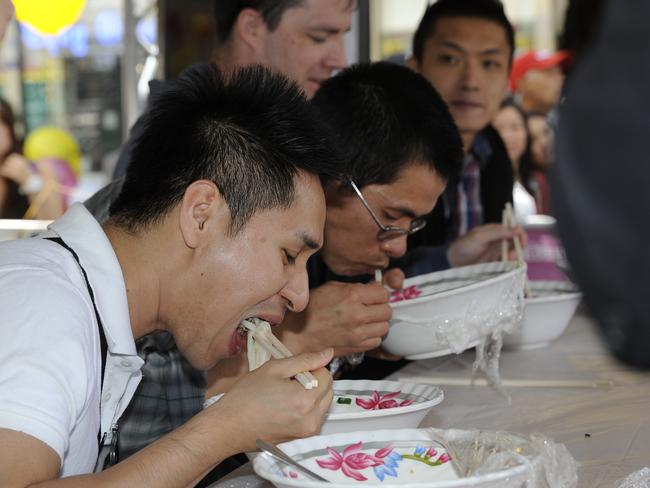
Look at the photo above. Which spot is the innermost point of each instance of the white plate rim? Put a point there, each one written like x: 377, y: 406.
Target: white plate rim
x: 461, y: 289
x: 436, y: 399
x: 421, y: 433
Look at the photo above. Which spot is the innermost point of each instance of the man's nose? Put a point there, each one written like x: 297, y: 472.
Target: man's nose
x: 471, y: 75
x: 296, y: 291
x: 336, y: 57
x: 394, y: 248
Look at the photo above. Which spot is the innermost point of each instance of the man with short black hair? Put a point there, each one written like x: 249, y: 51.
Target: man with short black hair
x: 399, y: 148
x: 302, y: 39
x: 221, y: 208
x: 464, y: 48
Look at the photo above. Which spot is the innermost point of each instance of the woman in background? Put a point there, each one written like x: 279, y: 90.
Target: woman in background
x: 542, y: 141
x: 13, y: 204
x: 511, y: 124
x: 23, y: 191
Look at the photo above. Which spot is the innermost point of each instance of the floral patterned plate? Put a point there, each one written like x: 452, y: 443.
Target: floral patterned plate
x: 387, y: 458
x: 365, y: 404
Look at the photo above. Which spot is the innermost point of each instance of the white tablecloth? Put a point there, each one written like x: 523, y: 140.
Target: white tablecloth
x: 606, y: 426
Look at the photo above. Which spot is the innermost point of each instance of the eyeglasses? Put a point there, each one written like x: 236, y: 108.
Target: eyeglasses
x: 388, y: 232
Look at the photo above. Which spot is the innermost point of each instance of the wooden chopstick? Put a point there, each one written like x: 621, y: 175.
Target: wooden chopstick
x: 278, y: 350
x: 510, y: 219
x: 521, y: 383
x: 504, y: 242
x: 306, y: 379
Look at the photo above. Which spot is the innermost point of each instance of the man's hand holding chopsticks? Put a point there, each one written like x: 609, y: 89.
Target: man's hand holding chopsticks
x: 348, y: 317
x: 268, y: 404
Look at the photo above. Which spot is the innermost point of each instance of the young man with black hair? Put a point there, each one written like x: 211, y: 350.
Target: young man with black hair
x: 399, y: 148
x: 302, y: 39
x: 464, y: 48
x: 221, y: 208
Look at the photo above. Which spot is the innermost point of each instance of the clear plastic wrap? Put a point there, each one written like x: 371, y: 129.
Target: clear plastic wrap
x: 638, y: 479
x: 459, y: 309
x: 547, y: 464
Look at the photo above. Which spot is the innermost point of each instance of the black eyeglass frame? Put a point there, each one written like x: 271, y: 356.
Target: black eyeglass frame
x: 388, y: 232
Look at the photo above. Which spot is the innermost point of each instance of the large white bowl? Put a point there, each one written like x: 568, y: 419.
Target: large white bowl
x: 379, y: 405
x: 455, y: 309
x: 405, y: 458
x: 546, y: 314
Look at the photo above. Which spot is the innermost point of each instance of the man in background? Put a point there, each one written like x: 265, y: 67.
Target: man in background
x: 536, y: 80
x: 304, y: 40
x: 464, y: 48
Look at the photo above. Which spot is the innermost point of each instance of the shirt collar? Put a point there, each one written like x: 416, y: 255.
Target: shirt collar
x: 79, y: 229
x: 481, y: 150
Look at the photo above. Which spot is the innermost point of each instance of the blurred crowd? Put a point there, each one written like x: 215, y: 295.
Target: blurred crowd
x: 37, y: 177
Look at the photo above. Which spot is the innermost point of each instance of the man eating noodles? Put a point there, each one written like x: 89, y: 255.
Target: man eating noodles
x: 221, y: 208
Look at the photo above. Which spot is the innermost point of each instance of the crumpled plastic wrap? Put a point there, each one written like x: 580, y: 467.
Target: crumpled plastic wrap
x: 545, y: 464
x: 638, y: 479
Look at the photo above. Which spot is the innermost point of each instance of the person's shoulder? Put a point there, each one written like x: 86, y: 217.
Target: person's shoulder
x: 37, y: 274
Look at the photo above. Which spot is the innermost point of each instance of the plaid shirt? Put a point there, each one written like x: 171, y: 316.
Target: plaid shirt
x: 170, y: 393
x: 463, y: 201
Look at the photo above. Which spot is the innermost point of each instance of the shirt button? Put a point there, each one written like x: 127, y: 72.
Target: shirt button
x: 107, y: 397
x: 125, y: 363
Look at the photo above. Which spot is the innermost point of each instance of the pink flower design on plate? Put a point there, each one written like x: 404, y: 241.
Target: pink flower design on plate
x: 351, y: 461
x: 378, y: 402
x: 405, y: 294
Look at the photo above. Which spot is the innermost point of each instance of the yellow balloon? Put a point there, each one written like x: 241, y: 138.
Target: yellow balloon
x: 49, y: 16
x: 51, y: 142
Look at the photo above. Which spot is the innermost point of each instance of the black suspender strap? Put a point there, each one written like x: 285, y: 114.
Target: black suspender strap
x: 102, y: 337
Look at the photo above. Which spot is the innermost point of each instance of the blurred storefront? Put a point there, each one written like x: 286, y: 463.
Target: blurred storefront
x: 71, y: 78
x: 91, y: 78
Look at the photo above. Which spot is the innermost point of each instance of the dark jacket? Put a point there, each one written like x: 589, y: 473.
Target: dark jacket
x: 496, y: 189
x: 599, y: 189
x: 428, y: 248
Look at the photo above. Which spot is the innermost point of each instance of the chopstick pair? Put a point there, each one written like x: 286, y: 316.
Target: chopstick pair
x: 508, y: 220
x: 278, y: 350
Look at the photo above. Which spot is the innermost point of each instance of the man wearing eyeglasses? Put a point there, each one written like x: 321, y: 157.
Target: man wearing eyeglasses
x: 399, y: 147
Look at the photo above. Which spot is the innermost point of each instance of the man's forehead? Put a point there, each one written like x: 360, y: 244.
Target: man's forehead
x: 331, y: 15
x: 411, y: 193
x: 487, y: 33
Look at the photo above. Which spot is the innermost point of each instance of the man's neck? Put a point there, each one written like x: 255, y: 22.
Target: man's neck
x: 468, y: 141
x: 135, y: 255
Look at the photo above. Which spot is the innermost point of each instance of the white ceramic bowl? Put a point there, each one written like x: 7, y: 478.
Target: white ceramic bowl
x: 405, y: 458
x: 368, y: 405
x: 546, y: 314
x: 449, y: 311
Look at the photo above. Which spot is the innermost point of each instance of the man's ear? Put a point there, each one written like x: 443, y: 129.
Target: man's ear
x: 251, y: 29
x: 412, y: 63
x: 203, y: 212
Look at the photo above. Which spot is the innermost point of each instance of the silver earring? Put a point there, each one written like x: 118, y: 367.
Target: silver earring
x: 201, y: 225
